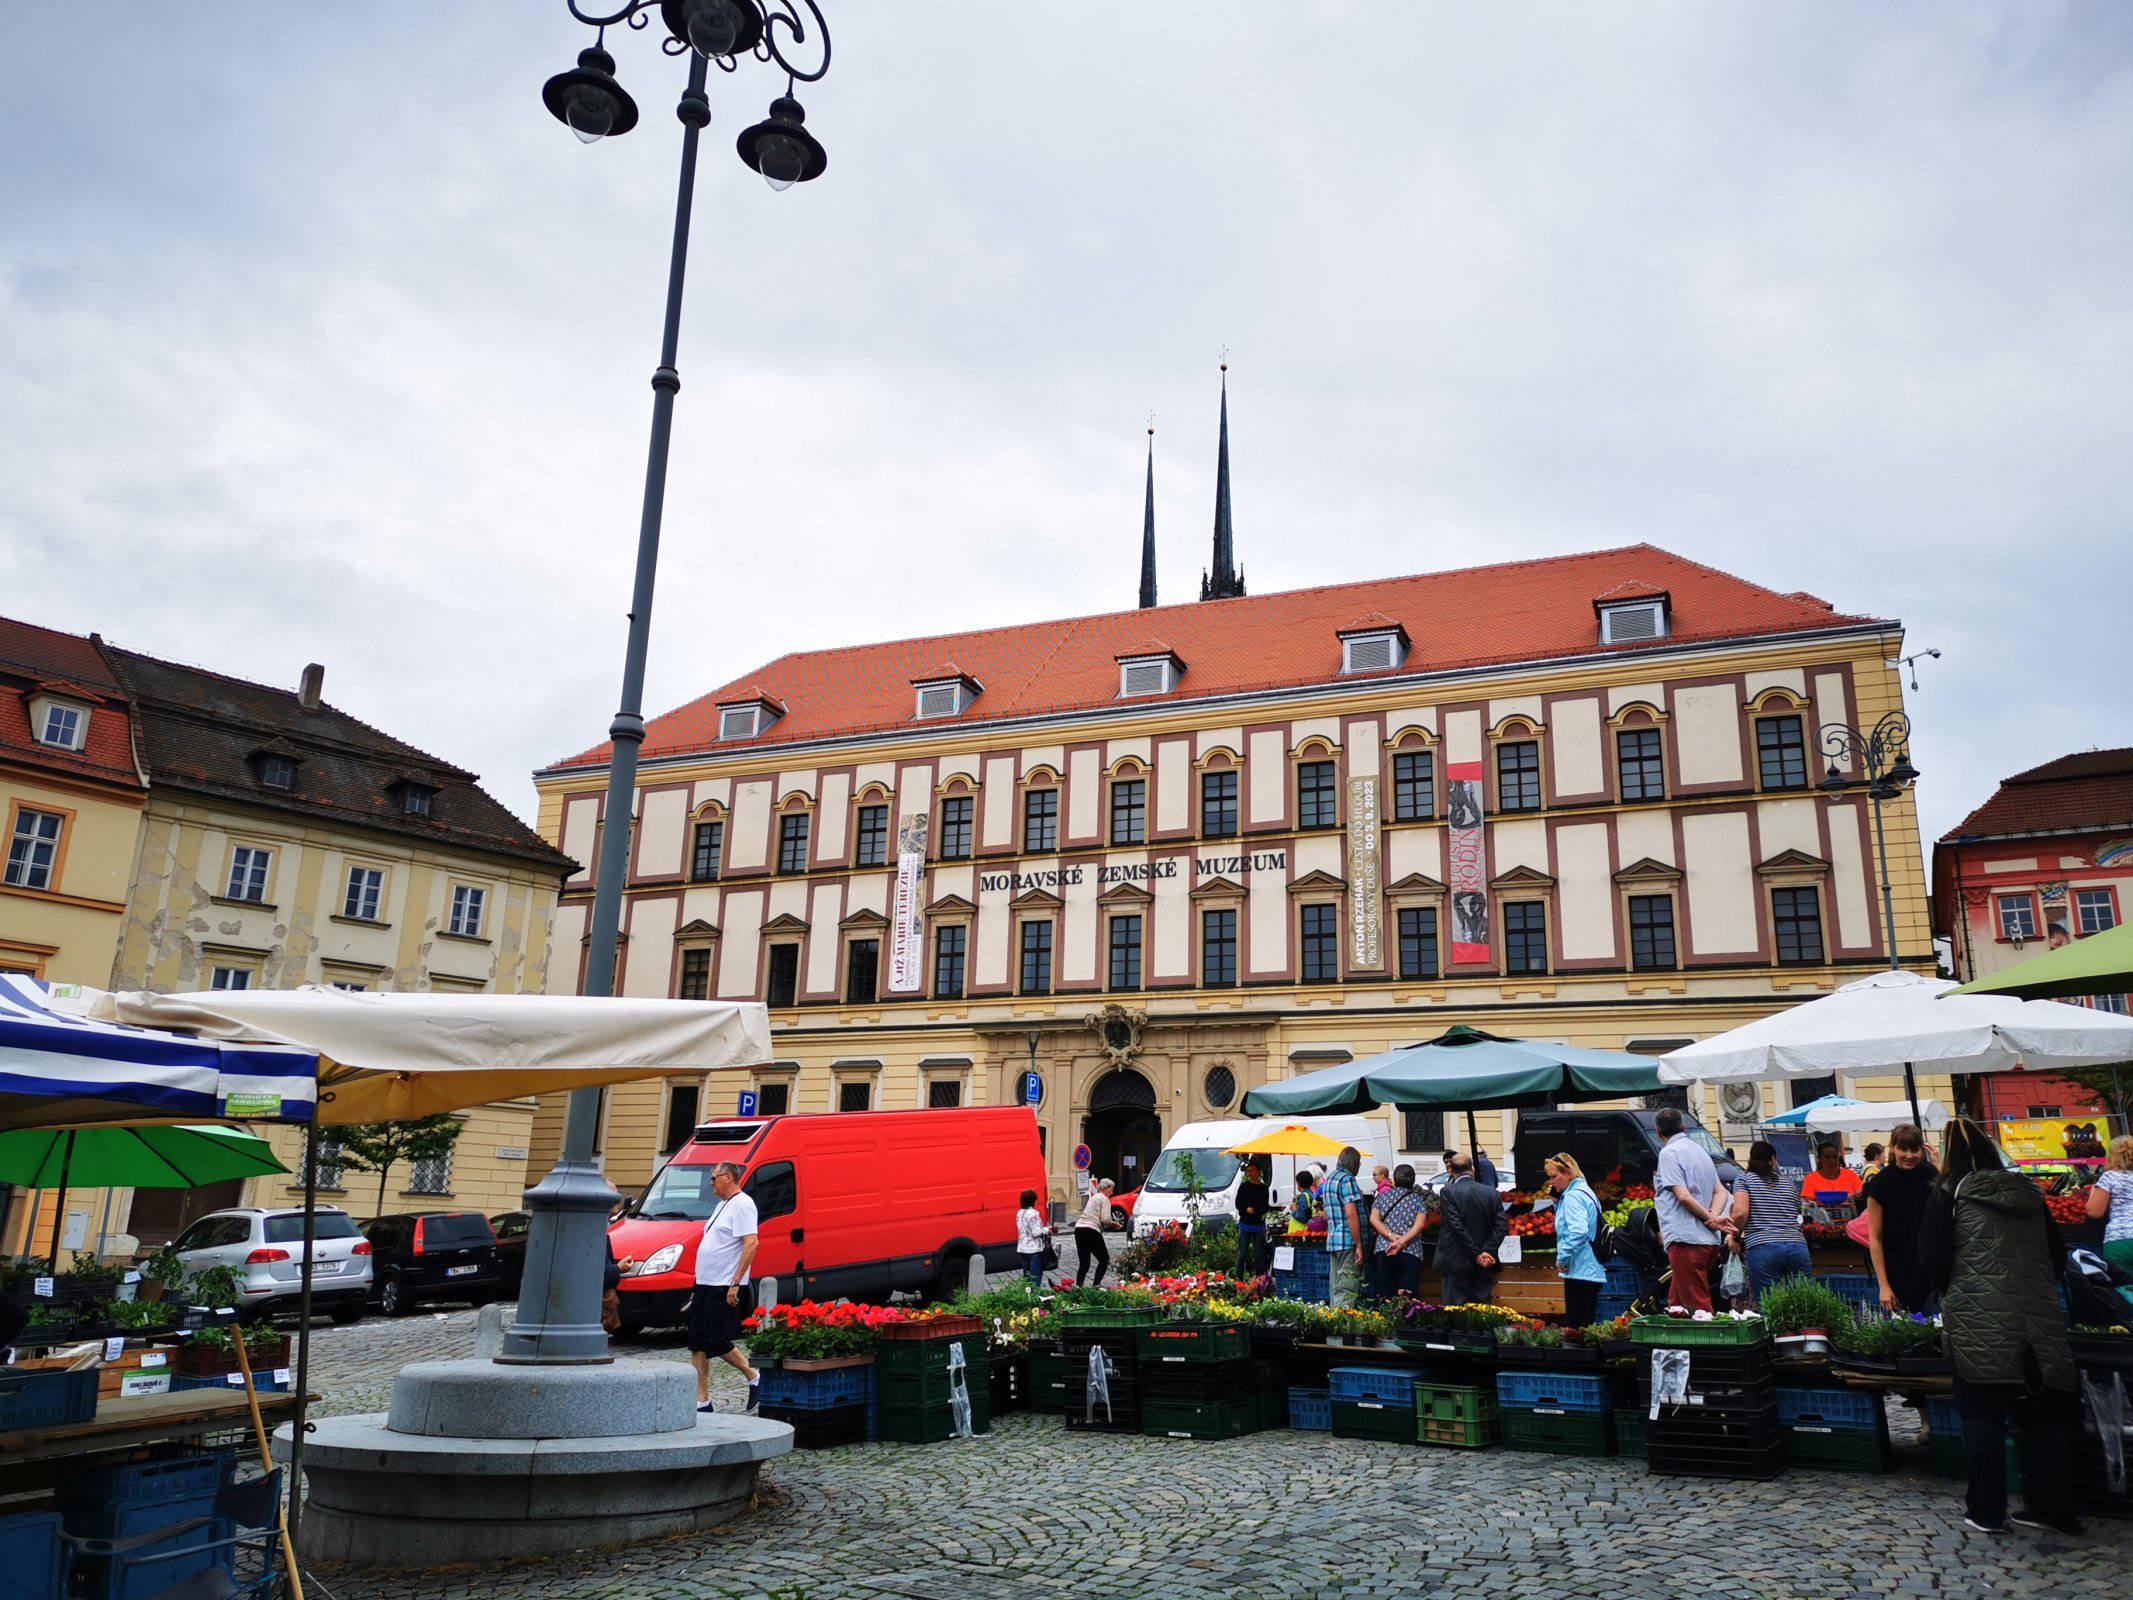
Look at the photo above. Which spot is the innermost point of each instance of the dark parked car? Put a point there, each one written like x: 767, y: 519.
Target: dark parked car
x: 510, y: 1229
x: 1603, y: 1141
x: 431, y: 1255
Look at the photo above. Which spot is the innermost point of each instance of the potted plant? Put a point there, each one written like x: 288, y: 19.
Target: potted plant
x: 212, y: 1352
x: 1804, y: 1315
x: 1537, y: 1344
x: 808, y: 1337
x: 160, y: 1274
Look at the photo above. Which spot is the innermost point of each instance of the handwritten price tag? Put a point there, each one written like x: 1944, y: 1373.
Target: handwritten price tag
x: 114, y: 1347
x: 44, y: 1288
x: 1285, y: 1257
x: 281, y: 1375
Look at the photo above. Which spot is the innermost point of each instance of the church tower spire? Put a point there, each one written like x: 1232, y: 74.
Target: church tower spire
x: 1148, y: 530
x: 1225, y: 581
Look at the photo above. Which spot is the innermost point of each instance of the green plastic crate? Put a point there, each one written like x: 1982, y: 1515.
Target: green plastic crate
x: 1629, y: 1431
x: 929, y: 1355
x: 931, y: 1388
x: 1200, y: 1419
x: 1457, y: 1416
x: 1837, y: 1449
x: 927, y: 1424
x: 1047, y: 1381
x: 1681, y: 1333
x: 1560, y: 1433
x: 1110, y: 1316
x: 1364, y: 1419
x: 1194, y: 1342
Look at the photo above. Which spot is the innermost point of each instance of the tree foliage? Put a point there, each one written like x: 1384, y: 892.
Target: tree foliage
x: 2112, y: 1086
x: 380, y: 1146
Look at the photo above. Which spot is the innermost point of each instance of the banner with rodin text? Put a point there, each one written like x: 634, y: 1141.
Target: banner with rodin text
x: 1468, y: 868
x: 907, y: 933
x: 1365, y: 895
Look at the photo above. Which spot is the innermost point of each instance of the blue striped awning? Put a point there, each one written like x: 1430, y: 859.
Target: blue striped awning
x: 57, y: 1069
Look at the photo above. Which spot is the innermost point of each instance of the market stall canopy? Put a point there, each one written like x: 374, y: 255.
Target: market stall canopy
x: 1837, y: 1113
x: 1289, y: 1141
x: 390, y: 1057
x: 157, y: 1156
x: 1461, y: 1067
x: 1880, y: 1026
x: 60, y: 1068
x: 2101, y: 963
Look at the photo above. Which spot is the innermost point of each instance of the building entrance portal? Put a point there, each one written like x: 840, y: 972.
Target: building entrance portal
x: 1122, y: 1130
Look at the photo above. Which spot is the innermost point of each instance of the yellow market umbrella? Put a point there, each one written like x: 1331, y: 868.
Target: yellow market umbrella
x: 1290, y: 1141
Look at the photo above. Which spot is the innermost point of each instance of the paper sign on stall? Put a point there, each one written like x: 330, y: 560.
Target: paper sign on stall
x: 135, y: 1384
x: 155, y: 1358
x: 281, y: 1375
x: 1512, y: 1251
x: 114, y: 1347
x: 1284, y: 1258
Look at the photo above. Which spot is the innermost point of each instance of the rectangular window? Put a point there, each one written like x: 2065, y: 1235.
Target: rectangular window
x: 1218, y: 805
x: 955, y: 827
x: 862, y: 968
x: 1422, y: 1129
x: 1651, y: 933
x: 2095, y: 911
x: 683, y: 1102
x: 468, y: 906
x: 1321, y: 944
x: 951, y: 950
x: 1418, y: 947
x: 792, y: 842
x: 277, y: 772
x: 62, y: 726
x: 248, y: 873
x: 1781, y: 752
x: 2113, y: 1003
x: 1316, y: 803
x: 1525, y: 936
x: 1796, y: 915
x: 34, y: 850
x: 873, y: 846
x: 431, y: 1175
x: 1414, y: 786
x: 695, y: 975
x: 329, y: 1166
x: 1218, y: 949
x: 1036, y: 958
x: 1129, y: 811
x: 365, y: 886
x: 783, y: 987
x: 773, y: 1099
x: 710, y: 848
x: 1643, y: 771
x: 230, y: 978
x: 1040, y: 821
x: 1125, y: 952
x: 1518, y: 776
x: 2018, y: 917
x: 855, y: 1094
x: 944, y: 1094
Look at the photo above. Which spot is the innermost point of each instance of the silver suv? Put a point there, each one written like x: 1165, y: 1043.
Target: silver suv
x: 265, y: 1248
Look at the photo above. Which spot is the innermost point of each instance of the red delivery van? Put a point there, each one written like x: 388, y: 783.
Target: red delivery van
x: 852, y: 1204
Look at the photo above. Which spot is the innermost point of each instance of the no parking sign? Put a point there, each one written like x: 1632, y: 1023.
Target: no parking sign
x: 1082, y: 1158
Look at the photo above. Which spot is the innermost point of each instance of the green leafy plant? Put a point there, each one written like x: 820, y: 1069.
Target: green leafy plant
x: 163, y: 1268
x: 1535, y: 1336
x: 259, y: 1339
x: 380, y: 1146
x: 17, y: 1276
x: 139, y: 1315
x: 93, y: 1275
x: 215, y: 1287
x: 1892, y: 1336
x: 1798, y: 1303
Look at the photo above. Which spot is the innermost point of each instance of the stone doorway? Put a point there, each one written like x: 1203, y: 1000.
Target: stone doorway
x: 1122, y: 1129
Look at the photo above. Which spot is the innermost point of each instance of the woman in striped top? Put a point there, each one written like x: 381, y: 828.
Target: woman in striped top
x: 1766, y: 1206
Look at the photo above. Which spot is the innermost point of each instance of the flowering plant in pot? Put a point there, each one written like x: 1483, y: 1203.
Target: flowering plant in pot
x: 808, y: 1331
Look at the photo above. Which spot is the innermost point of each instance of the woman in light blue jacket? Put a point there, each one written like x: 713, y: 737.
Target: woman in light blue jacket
x: 1577, y: 1221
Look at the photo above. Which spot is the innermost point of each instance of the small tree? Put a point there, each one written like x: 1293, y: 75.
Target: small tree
x: 2112, y: 1086
x: 380, y: 1146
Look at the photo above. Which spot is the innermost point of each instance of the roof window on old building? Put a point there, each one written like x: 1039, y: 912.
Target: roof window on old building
x: 1373, y: 644
x: 1155, y: 670
x: 947, y: 695
x: 745, y: 719
x: 1632, y: 613
x: 59, y: 715
x: 274, y: 765
x: 412, y: 797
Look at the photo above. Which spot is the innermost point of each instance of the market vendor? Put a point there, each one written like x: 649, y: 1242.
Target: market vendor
x: 1831, y: 1183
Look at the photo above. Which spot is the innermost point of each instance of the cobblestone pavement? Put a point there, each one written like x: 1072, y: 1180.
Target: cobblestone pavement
x: 1031, y: 1512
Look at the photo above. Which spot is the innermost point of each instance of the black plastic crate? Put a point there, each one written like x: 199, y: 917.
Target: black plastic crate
x: 824, y: 1427
x: 1124, y: 1416
x: 1696, y: 1442
x: 1756, y: 1394
x: 1192, y: 1382
x: 1371, y: 1419
x: 1011, y: 1383
x: 1117, y: 1343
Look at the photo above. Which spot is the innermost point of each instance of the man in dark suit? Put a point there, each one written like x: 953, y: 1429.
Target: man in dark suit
x: 1471, y: 1233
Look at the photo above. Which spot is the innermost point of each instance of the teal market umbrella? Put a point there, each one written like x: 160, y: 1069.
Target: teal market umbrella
x: 106, y: 1157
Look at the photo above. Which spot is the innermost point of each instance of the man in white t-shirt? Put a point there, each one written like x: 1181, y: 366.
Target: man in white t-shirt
x: 721, y: 1302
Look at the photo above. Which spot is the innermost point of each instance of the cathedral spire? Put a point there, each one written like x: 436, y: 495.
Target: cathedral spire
x: 1224, y: 581
x: 1148, y: 530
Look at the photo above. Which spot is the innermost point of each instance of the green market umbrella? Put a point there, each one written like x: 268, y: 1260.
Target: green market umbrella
x: 107, y: 1157
x: 2101, y: 963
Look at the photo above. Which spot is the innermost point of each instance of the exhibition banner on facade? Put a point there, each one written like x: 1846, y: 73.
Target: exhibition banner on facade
x: 907, y: 939
x: 1468, y: 867
x: 1365, y: 915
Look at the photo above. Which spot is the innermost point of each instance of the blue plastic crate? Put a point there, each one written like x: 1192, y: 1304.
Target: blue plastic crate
x: 1860, y: 1290
x: 1847, y: 1410
x: 1943, y: 1421
x: 817, y: 1391
x: 41, y: 1398
x: 157, y: 1568
x: 1392, y: 1386
x: 1311, y: 1291
x: 1622, y: 1278
x: 1551, y: 1391
x: 1613, y: 1305
x: 262, y: 1383
x: 118, y: 1502
x: 1314, y: 1264
x: 29, y: 1557
x: 1311, y: 1410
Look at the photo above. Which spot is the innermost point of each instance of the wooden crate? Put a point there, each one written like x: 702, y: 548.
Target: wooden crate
x: 111, y: 1376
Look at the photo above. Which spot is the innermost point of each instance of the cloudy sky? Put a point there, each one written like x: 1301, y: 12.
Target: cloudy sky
x: 322, y: 341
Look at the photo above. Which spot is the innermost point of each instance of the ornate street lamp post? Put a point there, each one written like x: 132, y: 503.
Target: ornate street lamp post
x: 559, y: 1305
x: 1883, y: 757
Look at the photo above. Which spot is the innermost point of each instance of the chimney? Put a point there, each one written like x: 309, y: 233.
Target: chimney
x: 314, y: 681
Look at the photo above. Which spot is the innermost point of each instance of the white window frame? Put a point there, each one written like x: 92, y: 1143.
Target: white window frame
x: 32, y: 852
x: 439, y: 1171
x: 352, y: 902
x: 2026, y: 904
x: 752, y: 720
x: 2099, y: 899
x: 271, y: 764
x: 929, y: 704
x: 415, y: 799
x: 1358, y: 651
x: 466, y: 896
x: 250, y: 868
x: 1135, y: 681
x: 1612, y: 615
x: 77, y: 726
x: 232, y: 979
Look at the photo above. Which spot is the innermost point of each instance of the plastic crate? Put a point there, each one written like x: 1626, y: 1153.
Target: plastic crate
x: 1200, y: 1419
x: 1310, y: 1410
x: 1691, y: 1442
x: 1223, y: 1380
x: 1851, y: 1410
x: 29, y: 1557
x: 1124, y: 1415
x: 824, y: 1427
x: 925, y: 1332
x: 928, y: 1424
x: 1943, y: 1420
x: 1311, y: 1291
x: 44, y: 1398
x: 1622, y: 1278
x: 155, y: 1568
x: 1558, y: 1433
x: 233, y: 1383
x: 816, y: 1391
x: 930, y: 1355
x: 1755, y: 1395
x: 1047, y: 1382
x: 1613, y: 1305
x: 1455, y: 1415
x: 1551, y: 1391
x: 1181, y: 1342
x: 1009, y: 1383
x: 1392, y: 1386
x: 1082, y: 1318
x: 1311, y: 1263
x: 1683, y: 1333
x: 1837, y: 1449
x: 138, y: 1497
x: 1861, y: 1290
x: 1629, y: 1431
x: 1367, y: 1419
x: 1273, y: 1408
x: 1120, y: 1345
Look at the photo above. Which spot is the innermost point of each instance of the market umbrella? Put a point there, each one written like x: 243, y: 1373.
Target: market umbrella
x: 1289, y: 1141
x: 2101, y: 963
x: 1899, y: 1021
x: 1837, y: 1113
x: 156, y: 1156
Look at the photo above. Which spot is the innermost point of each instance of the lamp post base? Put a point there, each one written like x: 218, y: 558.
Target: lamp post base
x: 482, y: 1462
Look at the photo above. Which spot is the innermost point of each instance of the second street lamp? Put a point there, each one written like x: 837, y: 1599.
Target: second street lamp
x: 1883, y: 757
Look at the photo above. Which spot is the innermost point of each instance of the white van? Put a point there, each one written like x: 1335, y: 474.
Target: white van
x: 1209, y: 1143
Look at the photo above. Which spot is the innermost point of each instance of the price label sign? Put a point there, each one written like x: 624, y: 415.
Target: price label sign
x: 1285, y: 1257
x: 154, y: 1358
x: 45, y: 1288
x: 114, y: 1347
x: 281, y: 1376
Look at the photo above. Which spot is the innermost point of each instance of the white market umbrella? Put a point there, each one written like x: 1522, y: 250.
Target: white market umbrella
x: 1837, y: 1113
x: 1897, y: 1021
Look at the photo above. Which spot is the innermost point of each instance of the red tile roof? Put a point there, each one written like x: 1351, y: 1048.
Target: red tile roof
x: 34, y: 658
x: 2088, y: 789
x: 1482, y: 616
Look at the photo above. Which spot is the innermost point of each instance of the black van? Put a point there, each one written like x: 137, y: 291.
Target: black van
x: 1601, y: 1141
x: 431, y: 1255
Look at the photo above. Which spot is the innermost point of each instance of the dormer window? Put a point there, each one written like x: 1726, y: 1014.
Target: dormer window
x: 1148, y: 674
x: 745, y: 720
x: 277, y: 772
x: 1373, y: 644
x: 1633, y: 613
x: 943, y: 697
x: 412, y: 798
x: 62, y: 724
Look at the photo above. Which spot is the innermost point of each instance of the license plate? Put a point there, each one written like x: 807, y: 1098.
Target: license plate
x: 461, y: 1272
x: 320, y: 1269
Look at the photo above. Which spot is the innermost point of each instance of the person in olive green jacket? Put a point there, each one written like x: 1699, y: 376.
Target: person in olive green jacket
x: 1989, y: 1245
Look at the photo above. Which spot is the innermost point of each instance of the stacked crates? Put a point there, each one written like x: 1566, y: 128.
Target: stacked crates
x: 1310, y: 1279
x: 1104, y: 1340
x: 1373, y: 1403
x: 1047, y: 1376
x: 1449, y: 1414
x: 1196, y: 1380
x: 1310, y: 1410
x: 920, y: 1378
x: 1561, y: 1413
x: 824, y: 1409
x: 1859, y: 1290
x: 29, y: 1556
x: 136, y: 1498
x: 1729, y: 1426
x: 1623, y: 1287
x: 1837, y: 1430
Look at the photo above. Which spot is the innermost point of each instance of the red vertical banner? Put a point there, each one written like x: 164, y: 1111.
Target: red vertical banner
x: 1468, y: 868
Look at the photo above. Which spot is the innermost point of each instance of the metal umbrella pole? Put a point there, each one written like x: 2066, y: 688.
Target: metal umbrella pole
x: 300, y: 1422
